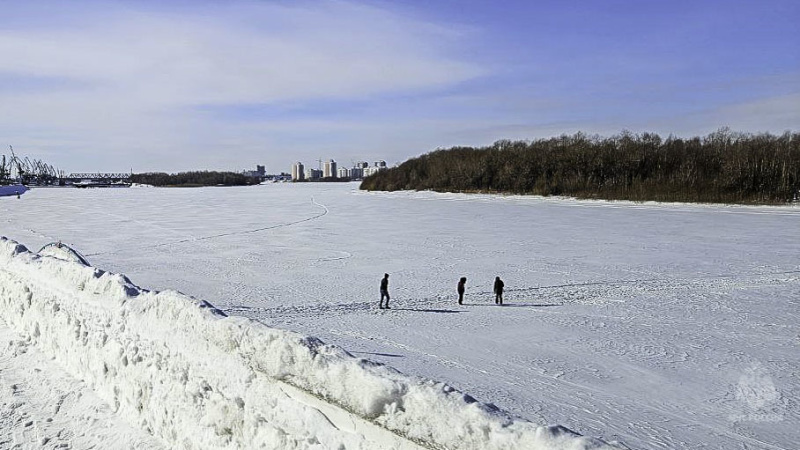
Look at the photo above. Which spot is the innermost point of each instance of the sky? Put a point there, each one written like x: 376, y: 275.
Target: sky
x: 176, y: 85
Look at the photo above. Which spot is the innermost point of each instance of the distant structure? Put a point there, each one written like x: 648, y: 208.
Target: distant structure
x: 329, y: 169
x: 86, y: 180
x: 98, y: 176
x: 260, y: 172
x: 357, y: 172
x: 298, y: 173
x: 24, y: 171
x: 379, y: 165
x: 313, y: 174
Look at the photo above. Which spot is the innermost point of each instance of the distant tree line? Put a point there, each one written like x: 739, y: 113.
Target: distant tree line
x: 193, y: 179
x: 723, y: 167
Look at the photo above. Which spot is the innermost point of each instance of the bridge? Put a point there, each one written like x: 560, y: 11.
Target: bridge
x: 99, y: 176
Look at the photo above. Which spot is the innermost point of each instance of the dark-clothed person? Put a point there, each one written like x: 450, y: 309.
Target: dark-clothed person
x: 498, y: 290
x: 460, y: 290
x: 385, y: 290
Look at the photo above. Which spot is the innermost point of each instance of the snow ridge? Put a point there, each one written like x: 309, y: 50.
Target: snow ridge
x: 188, y: 374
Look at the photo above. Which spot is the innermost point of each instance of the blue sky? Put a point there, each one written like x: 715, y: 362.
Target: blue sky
x: 226, y: 85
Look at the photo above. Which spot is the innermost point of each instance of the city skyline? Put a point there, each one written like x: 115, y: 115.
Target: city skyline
x: 186, y: 85
x: 329, y: 169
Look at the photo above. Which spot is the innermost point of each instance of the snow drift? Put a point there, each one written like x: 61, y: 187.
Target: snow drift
x: 183, y: 371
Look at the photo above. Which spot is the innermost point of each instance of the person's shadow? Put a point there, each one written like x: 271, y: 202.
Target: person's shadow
x: 440, y: 311
x: 517, y: 305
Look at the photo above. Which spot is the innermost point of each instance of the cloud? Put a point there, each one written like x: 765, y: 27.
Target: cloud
x: 124, y: 78
x: 256, y: 53
x: 183, y: 85
x: 771, y: 114
x: 774, y: 114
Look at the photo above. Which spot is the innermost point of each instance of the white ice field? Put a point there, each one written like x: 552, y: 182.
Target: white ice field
x: 652, y: 325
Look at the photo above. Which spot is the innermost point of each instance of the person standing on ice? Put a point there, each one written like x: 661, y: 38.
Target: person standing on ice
x: 460, y: 289
x: 385, y: 290
x: 498, y: 291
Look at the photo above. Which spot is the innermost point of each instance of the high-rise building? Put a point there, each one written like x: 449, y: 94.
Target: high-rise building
x: 260, y: 172
x: 357, y: 172
x: 313, y: 174
x: 379, y: 165
x: 329, y: 169
x: 298, y: 173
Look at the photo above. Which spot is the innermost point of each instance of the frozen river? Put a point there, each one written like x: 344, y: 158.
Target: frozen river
x: 661, y: 326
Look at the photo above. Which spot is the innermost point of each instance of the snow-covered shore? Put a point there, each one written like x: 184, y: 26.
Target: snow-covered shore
x: 186, y: 373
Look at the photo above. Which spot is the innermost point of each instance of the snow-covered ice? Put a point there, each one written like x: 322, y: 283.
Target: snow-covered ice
x: 184, y: 372
x: 660, y: 326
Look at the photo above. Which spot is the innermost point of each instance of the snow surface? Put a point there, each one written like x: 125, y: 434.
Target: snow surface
x: 187, y: 374
x: 658, y: 325
x: 42, y: 408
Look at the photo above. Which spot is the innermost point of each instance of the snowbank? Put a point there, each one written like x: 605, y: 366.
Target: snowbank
x: 181, y: 370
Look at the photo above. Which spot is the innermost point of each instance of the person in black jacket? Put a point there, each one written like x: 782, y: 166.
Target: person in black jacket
x: 385, y: 290
x: 498, y: 290
x: 460, y: 290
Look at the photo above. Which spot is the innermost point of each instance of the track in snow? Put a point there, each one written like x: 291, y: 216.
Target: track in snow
x: 195, y: 239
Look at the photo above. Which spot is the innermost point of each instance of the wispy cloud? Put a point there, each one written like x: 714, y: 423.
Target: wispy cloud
x: 773, y: 114
x: 111, y: 77
x: 178, y: 84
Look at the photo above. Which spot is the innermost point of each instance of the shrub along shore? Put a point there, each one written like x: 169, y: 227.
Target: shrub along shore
x: 723, y: 167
